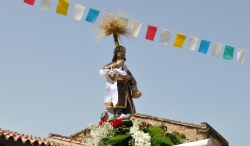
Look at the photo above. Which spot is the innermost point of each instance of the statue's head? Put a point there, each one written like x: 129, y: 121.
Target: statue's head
x: 119, y: 53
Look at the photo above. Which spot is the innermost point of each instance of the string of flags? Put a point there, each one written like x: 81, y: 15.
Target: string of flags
x: 135, y: 26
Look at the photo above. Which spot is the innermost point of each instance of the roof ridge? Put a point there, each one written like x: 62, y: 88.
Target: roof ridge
x: 6, y: 134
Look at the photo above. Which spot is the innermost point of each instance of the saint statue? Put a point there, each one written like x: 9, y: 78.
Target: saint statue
x: 121, y: 86
x: 119, y: 95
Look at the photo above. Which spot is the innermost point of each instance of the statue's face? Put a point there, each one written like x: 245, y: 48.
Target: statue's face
x: 123, y: 52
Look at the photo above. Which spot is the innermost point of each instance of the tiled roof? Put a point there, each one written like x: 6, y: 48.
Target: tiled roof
x: 64, y: 138
x: 167, y: 120
x: 27, y: 139
x: 211, y: 129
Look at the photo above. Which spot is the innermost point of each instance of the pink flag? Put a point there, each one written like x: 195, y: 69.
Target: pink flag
x: 151, y: 32
x: 30, y: 2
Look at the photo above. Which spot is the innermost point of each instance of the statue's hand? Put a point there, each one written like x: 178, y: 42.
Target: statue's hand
x: 120, y: 63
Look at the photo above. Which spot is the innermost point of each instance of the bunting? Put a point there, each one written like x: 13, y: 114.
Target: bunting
x: 216, y: 50
x: 46, y: 4
x: 204, y: 45
x: 179, y: 40
x: 124, y: 20
x: 151, y: 32
x: 30, y: 2
x: 134, y: 28
x: 92, y: 15
x: 165, y: 36
x: 241, y: 55
x: 228, y: 53
x: 62, y: 7
x: 192, y: 43
x: 78, y: 11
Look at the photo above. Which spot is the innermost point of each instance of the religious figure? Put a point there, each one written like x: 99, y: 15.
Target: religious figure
x: 119, y: 95
x: 121, y: 86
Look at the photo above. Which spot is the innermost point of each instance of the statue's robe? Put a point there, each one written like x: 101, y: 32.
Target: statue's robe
x: 119, y: 95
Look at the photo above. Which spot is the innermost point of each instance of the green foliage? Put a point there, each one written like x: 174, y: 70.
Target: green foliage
x: 177, y: 138
x: 158, y: 137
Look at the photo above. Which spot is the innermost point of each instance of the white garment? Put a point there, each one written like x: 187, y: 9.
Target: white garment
x: 111, y: 92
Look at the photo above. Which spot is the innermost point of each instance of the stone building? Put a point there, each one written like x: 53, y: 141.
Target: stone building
x: 193, y: 132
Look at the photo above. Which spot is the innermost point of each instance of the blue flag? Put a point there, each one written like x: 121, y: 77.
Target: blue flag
x: 204, y: 45
x: 92, y: 15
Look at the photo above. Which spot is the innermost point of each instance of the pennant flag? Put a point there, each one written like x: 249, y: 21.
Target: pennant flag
x: 78, y: 11
x: 241, y: 55
x: 204, y: 45
x: 30, y: 2
x: 124, y: 20
x: 179, y: 40
x: 151, y: 32
x: 216, y: 50
x: 46, y: 4
x: 165, y: 36
x: 134, y: 27
x: 62, y: 7
x: 228, y: 53
x: 92, y: 15
x: 192, y: 43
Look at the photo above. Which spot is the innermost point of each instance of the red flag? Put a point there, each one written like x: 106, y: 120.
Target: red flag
x: 30, y: 2
x: 151, y: 32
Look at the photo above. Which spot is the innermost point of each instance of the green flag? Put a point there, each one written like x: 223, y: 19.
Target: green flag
x: 228, y: 53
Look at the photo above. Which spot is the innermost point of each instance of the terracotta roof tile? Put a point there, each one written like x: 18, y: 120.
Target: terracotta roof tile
x: 65, y: 138
x: 29, y: 139
x: 166, y: 120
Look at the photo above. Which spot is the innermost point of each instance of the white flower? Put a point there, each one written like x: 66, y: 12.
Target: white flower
x: 98, y: 132
x: 140, y: 138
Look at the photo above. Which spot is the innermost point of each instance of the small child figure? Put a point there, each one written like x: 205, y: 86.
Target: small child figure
x: 104, y: 118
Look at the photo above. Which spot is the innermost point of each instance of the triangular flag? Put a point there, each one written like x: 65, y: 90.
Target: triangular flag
x: 192, y: 43
x: 241, y: 55
x: 30, y: 2
x: 92, y: 15
x: 151, y: 32
x: 216, y: 50
x: 78, y: 11
x: 46, y: 4
x: 204, y: 45
x: 62, y: 7
x: 165, y: 36
x: 228, y: 53
x: 134, y: 27
x: 179, y: 40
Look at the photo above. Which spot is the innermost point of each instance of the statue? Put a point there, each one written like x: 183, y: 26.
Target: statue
x: 121, y: 86
x: 119, y: 95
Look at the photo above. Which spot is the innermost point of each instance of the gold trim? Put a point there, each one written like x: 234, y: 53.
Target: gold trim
x: 107, y: 104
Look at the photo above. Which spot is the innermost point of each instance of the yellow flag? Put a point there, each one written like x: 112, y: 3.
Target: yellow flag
x: 179, y: 40
x: 62, y: 7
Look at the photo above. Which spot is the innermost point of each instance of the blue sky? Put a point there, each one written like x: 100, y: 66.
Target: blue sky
x: 50, y: 82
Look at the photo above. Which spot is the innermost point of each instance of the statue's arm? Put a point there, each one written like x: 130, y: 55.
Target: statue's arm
x: 132, y: 79
x: 108, y: 66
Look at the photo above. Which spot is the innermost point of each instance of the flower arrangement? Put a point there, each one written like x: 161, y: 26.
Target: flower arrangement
x: 127, y: 130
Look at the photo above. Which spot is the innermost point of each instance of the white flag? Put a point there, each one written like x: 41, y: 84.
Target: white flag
x: 165, y: 36
x: 241, y: 55
x: 216, y: 50
x: 107, y: 16
x: 192, y: 43
x: 78, y: 11
x: 134, y: 27
x: 46, y: 4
